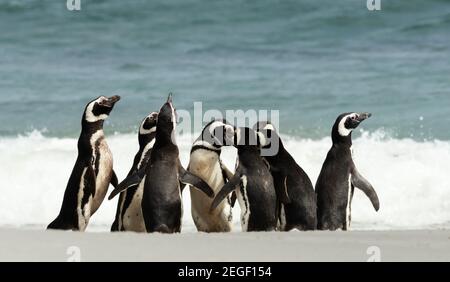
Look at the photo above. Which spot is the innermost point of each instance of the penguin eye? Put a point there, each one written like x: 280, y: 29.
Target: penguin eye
x: 102, y: 101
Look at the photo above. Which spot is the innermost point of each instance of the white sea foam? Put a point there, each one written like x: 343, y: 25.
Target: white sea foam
x: 411, y: 178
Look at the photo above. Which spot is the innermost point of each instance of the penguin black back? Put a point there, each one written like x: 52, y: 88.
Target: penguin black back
x: 253, y: 184
x: 295, y: 192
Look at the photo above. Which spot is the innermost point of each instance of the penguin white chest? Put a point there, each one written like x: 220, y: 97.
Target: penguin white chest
x: 133, y: 220
x: 349, y: 198
x: 282, y: 219
x: 103, y: 161
x: 348, y: 208
x: 206, y: 165
x: 244, y: 203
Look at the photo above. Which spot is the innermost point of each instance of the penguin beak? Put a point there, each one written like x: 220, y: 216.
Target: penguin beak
x: 169, y: 98
x: 363, y: 116
x: 111, y: 101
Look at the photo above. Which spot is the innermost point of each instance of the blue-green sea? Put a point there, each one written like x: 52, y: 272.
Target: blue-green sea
x: 309, y: 59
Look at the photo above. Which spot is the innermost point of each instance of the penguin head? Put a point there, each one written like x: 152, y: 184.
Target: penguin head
x: 148, y: 125
x: 100, y: 108
x: 346, y: 123
x: 268, y: 137
x: 264, y: 125
x: 245, y: 137
x: 266, y: 133
x: 147, y: 130
x: 167, y: 120
x: 217, y: 133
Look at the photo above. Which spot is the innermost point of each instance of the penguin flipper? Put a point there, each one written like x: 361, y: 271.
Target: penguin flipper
x: 182, y: 185
x: 228, y: 175
x: 114, y: 180
x: 226, y: 189
x: 132, y: 180
x: 361, y: 183
x: 186, y: 177
x: 282, y: 190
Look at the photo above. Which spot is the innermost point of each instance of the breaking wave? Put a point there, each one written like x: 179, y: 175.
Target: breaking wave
x: 411, y: 178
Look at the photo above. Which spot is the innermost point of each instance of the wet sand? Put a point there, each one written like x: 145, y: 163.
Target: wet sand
x: 36, y: 245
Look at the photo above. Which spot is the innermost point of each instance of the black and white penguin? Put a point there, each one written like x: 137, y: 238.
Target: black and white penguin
x: 339, y: 177
x: 129, y: 211
x: 93, y: 171
x: 253, y: 184
x: 205, y: 162
x: 297, y: 199
x: 164, y: 176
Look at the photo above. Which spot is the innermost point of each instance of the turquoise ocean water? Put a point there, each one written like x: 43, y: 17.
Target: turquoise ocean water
x: 309, y: 59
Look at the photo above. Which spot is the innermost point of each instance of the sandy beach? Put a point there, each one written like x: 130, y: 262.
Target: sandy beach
x: 359, y: 246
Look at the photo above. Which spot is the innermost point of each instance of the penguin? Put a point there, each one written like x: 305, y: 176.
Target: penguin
x: 164, y: 176
x: 129, y: 212
x: 295, y: 191
x: 93, y: 170
x: 253, y: 184
x: 205, y: 162
x: 339, y: 177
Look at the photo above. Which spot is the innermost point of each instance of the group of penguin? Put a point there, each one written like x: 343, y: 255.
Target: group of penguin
x: 273, y: 192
